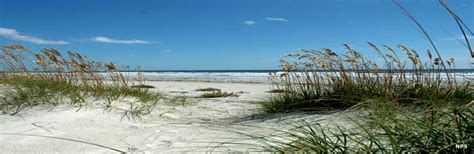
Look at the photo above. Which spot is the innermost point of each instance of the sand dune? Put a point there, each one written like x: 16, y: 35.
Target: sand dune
x: 200, y: 125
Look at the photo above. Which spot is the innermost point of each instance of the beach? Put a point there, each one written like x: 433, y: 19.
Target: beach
x: 170, y: 76
x: 195, y: 124
x: 198, y: 125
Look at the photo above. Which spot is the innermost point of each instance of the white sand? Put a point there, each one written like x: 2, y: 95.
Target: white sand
x: 201, y: 125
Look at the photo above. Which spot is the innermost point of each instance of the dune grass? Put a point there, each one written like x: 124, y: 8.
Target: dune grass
x: 142, y: 86
x: 324, y: 78
x: 53, y: 79
x: 432, y: 130
x: 413, y: 106
x: 215, y: 94
x: 314, y: 77
x: 277, y: 91
x: 413, y: 103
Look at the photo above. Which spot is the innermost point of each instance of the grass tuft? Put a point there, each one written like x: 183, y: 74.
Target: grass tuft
x: 216, y: 94
x: 142, y: 86
x: 53, y: 78
x: 323, y: 78
x: 414, y: 103
x: 277, y: 91
x: 390, y: 131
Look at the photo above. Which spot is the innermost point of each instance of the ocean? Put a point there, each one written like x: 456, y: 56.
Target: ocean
x: 239, y: 76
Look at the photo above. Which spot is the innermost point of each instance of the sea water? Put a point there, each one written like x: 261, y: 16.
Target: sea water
x: 253, y: 76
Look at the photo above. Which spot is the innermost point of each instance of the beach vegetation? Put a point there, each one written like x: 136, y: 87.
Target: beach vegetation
x: 142, y: 86
x: 388, y: 130
x: 215, y: 94
x: 208, y: 89
x: 277, y: 91
x: 323, y: 78
x: 410, y: 101
x: 50, y: 77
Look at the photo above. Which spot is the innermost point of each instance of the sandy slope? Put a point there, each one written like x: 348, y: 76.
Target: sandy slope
x: 201, y: 125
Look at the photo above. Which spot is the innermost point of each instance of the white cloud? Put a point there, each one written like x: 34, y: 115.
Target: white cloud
x: 12, y: 34
x: 249, y: 22
x: 276, y: 19
x: 103, y: 39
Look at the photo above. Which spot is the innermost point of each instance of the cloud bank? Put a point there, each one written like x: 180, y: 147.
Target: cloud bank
x: 12, y: 34
x: 103, y: 39
x: 276, y: 19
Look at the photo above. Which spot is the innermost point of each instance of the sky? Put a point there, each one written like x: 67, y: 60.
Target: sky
x: 226, y: 34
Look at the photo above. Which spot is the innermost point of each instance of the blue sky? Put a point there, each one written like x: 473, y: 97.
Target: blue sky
x: 225, y: 34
